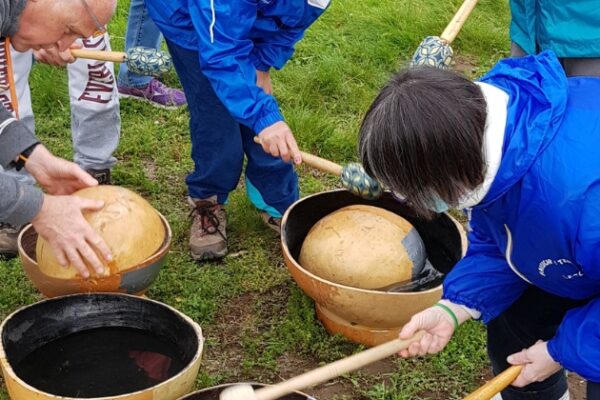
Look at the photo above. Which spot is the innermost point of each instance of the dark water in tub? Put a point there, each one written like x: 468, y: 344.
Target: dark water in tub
x: 101, y: 362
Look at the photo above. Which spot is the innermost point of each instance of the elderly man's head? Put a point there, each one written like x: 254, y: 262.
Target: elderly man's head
x: 58, y: 23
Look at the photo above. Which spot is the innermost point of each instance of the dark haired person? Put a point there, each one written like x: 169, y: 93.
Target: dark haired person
x: 519, y: 151
x: 570, y: 29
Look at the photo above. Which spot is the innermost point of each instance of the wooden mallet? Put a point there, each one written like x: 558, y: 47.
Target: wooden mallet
x: 435, y: 51
x: 496, y: 385
x: 139, y: 60
x: 321, y: 374
x: 353, y: 175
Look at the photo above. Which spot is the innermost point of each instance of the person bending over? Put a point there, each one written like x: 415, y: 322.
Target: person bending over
x: 518, y: 151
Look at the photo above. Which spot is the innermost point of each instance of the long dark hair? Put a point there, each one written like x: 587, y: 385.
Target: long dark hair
x: 423, y: 136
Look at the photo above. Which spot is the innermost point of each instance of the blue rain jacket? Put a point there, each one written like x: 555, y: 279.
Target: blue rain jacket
x: 233, y: 40
x: 540, y: 222
x: 569, y: 28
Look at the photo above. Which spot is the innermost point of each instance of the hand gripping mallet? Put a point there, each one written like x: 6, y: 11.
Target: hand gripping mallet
x: 139, y: 60
x: 435, y: 51
x: 321, y: 374
x: 353, y: 175
x: 496, y: 385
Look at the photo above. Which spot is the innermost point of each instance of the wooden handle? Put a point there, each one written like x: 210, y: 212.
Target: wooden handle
x: 113, y: 56
x: 335, y: 369
x: 458, y: 21
x: 316, y: 162
x: 496, y: 385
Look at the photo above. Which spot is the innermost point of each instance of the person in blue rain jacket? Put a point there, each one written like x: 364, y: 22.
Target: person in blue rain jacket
x: 223, y: 52
x: 519, y: 151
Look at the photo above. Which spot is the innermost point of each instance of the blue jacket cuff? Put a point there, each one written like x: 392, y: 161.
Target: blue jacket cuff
x: 456, y: 299
x: 553, y: 350
x: 259, y: 64
x: 267, y: 121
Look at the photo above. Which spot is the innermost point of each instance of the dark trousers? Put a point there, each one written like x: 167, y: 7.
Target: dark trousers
x: 572, y: 66
x: 219, y: 143
x: 534, y: 316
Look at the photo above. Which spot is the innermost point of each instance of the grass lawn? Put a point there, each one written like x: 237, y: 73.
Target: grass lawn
x: 259, y: 326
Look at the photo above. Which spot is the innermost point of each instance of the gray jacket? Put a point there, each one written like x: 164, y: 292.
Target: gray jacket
x: 19, y: 202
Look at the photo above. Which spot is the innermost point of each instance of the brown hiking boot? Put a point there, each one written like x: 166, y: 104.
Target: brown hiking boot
x: 8, y: 240
x: 101, y: 175
x: 272, y: 222
x: 208, y: 239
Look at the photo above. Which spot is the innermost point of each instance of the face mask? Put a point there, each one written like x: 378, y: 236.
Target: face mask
x: 439, y: 205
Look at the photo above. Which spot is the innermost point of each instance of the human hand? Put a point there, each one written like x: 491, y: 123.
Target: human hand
x: 56, y: 175
x: 263, y: 80
x: 438, y: 327
x: 278, y: 140
x: 54, y: 56
x: 61, y: 223
x: 538, y: 364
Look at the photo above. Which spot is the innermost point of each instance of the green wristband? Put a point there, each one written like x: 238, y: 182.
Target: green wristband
x: 449, y: 311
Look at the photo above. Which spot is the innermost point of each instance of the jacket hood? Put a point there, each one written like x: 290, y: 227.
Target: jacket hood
x: 537, y: 89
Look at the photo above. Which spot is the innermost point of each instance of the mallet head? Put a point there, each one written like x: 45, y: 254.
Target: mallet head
x: 148, y: 61
x: 355, y: 179
x: 433, y: 52
x: 238, y: 392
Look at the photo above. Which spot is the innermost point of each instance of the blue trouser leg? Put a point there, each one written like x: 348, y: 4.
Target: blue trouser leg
x: 271, y: 184
x: 219, y: 143
x: 141, y: 32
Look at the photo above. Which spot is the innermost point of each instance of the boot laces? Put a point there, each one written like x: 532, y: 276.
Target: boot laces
x: 209, y: 222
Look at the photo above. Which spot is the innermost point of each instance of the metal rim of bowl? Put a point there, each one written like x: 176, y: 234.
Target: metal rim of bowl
x: 14, y: 376
x: 288, y: 254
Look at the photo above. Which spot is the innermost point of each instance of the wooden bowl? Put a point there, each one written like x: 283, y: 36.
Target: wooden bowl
x: 99, y: 368
x: 212, y: 393
x: 366, y: 316
x: 134, y: 280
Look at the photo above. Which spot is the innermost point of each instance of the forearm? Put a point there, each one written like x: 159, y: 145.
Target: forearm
x: 461, y: 312
x: 19, y: 203
x: 14, y: 138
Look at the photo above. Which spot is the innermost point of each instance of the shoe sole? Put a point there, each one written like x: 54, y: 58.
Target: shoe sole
x: 153, y: 103
x: 274, y: 228
x: 265, y: 218
x: 209, y: 254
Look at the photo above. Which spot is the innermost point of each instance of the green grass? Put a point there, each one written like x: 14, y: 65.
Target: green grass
x: 259, y: 325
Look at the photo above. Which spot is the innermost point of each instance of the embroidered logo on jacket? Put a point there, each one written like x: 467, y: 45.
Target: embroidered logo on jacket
x: 544, y: 264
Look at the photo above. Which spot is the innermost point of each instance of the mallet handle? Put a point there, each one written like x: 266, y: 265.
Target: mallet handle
x: 316, y: 162
x: 113, y: 56
x: 335, y: 369
x: 496, y: 385
x: 458, y: 21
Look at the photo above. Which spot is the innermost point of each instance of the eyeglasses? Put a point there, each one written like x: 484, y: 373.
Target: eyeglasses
x: 100, y: 29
